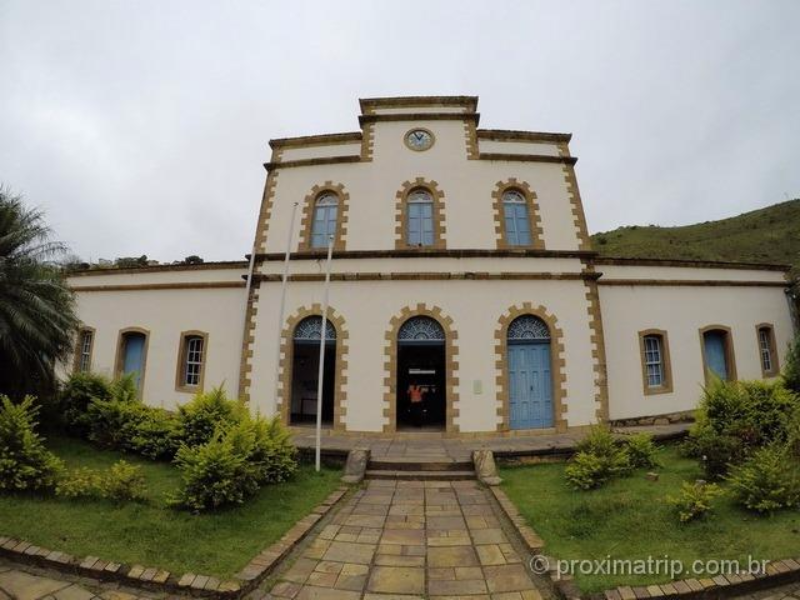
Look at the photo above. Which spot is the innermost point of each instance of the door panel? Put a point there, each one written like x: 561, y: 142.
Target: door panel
x: 716, y: 359
x: 530, y: 386
x: 134, y: 356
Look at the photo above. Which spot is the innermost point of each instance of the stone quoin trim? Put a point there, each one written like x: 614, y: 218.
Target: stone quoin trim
x: 390, y: 365
x: 471, y: 136
x: 666, y: 386
x: 401, y: 214
x: 182, y: 350
x: 267, y: 201
x: 579, y: 217
x: 773, y: 351
x: 598, y: 342
x: 248, y: 342
x: 557, y: 364
x: 307, y: 218
x: 534, y: 216
x: 78, y: 348
x: 284, y: 400
x: 118, y: 366
x: 730, y: 355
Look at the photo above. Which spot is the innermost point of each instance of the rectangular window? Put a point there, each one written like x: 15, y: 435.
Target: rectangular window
x: 194, y: 361
x: 420, y: 224
x: 191, y: 361
x: 517, y: 226
x: 766, y: 351
x: 85, y: 350
x: 656, y: 374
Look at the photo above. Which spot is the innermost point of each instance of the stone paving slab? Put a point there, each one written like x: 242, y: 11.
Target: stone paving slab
x: 429, y: 548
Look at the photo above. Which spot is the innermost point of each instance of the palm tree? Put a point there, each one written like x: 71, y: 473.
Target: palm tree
x: 37, y: 309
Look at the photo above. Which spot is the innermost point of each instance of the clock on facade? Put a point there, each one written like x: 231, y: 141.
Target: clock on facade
x: 419, y: 139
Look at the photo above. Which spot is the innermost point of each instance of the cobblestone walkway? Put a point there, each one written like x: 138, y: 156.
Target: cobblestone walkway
x: 416, y: 539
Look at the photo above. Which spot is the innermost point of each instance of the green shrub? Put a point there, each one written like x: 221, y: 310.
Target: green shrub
x: 696, y: 500
x: 234, y: 463
x: 216, y: 473
x: 25, y: 463
x: 80, y: 482
x: 767, y: 481
x: 273, y: 457
x: 75, y: 397
x: 642, y: 452
x: 599, y: 458
x: 114, y: 423
x: 156, y: 434
x: 207, y: 412
x: 122, y: 482
x: 791, y: 368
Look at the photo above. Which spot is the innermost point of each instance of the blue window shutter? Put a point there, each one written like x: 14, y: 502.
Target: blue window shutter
x: 427, y: 224
x: 414, y: 225
x: 523, y: 225
x: 324, y: 225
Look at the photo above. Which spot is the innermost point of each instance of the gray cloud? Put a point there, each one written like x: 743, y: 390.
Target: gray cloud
x: 141, y: 126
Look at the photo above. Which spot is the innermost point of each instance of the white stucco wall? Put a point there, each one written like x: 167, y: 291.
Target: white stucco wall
x: 165, y: 313
x: 474, y: 306
x: 682, y: 312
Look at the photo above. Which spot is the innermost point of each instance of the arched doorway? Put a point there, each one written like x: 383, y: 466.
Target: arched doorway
x: 305, y: 371
x: 421, y: 360
x: 530, y: 379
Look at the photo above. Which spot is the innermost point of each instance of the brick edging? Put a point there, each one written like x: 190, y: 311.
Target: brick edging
x: 777, y: 573
x: 153, y: 577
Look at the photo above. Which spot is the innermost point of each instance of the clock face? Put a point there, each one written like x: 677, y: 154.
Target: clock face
x: 419, y: 139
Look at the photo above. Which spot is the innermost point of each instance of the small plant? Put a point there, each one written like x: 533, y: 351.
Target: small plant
x: 767, y: 481
x: 25, y: 462
x: 696, y: 500
x: 599, y: 458
x: 156, y: 434
x: 206, y: 413
x: 273, y: 456
x: 642, y: 452
x: 122, y: 482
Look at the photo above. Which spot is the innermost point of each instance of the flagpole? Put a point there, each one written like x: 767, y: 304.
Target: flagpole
x: 322, y: 339
x: 282, y: 308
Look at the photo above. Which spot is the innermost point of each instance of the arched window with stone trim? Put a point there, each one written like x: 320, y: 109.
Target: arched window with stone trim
x: 420, y: 218
x: 326, y: 213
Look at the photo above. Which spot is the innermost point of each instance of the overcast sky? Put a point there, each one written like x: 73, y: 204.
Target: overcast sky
x: 141, y: 126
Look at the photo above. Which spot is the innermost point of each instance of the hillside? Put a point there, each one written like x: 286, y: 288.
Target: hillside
x: 767, y: 235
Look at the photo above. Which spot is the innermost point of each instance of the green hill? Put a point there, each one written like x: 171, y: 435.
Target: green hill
x: 767, y: 235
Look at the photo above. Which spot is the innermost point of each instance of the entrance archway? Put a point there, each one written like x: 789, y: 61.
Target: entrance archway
x: 421, y: 374
x: 305, y: 371
x: 530, y: 380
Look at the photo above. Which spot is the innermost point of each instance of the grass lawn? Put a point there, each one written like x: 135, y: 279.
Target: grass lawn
x: 151, y: 534
x: 630, y: 519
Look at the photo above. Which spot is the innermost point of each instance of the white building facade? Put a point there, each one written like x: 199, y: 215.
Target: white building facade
x: 462, y: 274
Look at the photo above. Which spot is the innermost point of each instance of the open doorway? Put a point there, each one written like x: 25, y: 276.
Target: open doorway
x: 421, y: 377
x: 305, y: 372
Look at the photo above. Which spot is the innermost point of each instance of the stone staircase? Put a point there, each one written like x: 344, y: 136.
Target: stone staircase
x: 420, y: 469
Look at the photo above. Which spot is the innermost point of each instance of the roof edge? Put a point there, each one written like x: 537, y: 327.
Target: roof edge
x: 510, y: 135
x: 471, y: 102
x: 324, y: 139
x: 206, y: 266
x: 679, y: 262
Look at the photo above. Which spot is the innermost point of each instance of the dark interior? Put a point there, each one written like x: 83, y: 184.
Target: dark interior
x: 421, y: 364
x: 305, y: 370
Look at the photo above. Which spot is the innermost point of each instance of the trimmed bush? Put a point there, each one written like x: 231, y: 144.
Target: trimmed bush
x: 114, y: 423
x: 122, y: 482
x: 767, y: 481
x: 75, y: 397
x: 234, y: 464
x: 642, y: 452
x: 696, y: 500
x: 206, y: 413
x: 599, y: 458
x: 157, y: 434
x: 25, y: 463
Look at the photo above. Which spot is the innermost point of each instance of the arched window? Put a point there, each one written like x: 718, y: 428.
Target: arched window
x: 309, y: 330
x: 421, y: 329
x: 517, y: 220
x: 526, y: 328
x: 326, y: 211
x: 419, y: 227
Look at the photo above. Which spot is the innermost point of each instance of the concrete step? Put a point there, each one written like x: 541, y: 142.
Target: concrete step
x: 421, y: 475
x: 419, y: 464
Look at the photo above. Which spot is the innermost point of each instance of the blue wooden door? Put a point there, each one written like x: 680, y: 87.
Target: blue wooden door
x: 134, y: 356
x: 715, y: 353
x: 530, y: 386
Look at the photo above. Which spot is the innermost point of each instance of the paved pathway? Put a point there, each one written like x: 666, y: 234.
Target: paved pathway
x: 411, y: 446
x: 429, y: 539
